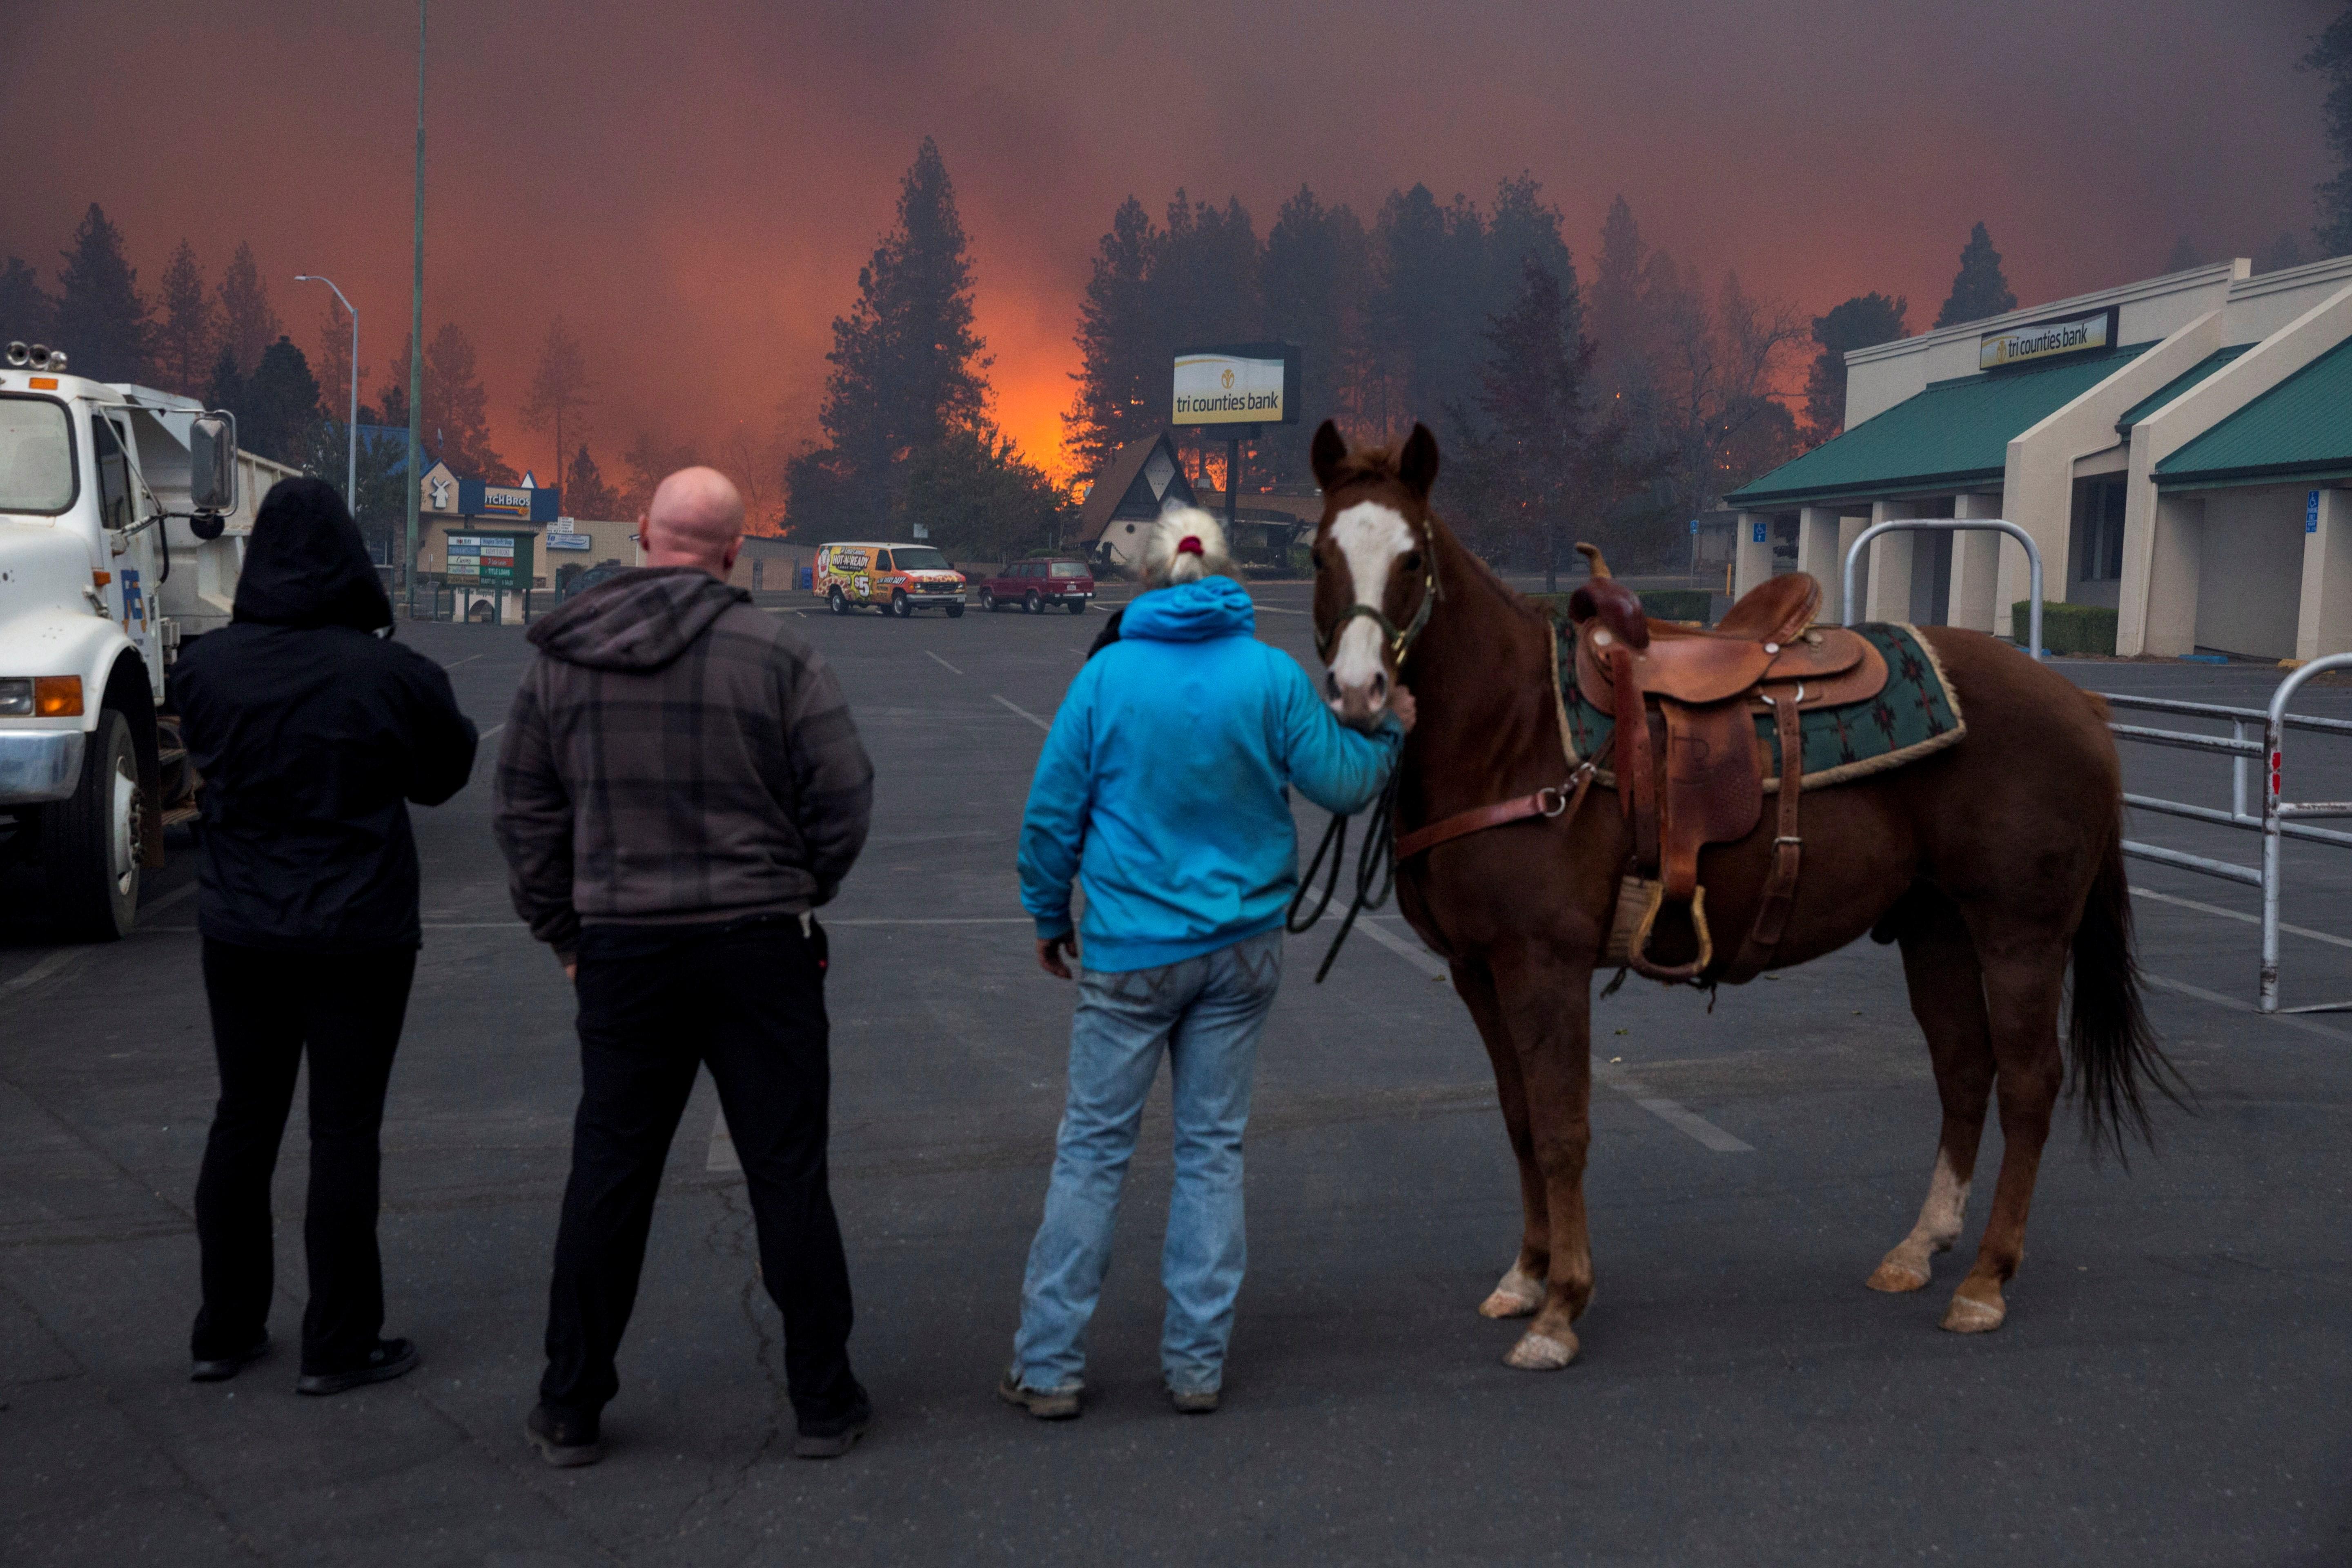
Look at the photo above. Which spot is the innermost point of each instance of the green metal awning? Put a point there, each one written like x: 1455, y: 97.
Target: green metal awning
x: 2163, y: 397
x: 2299, y: 429
x: 1955, y: 432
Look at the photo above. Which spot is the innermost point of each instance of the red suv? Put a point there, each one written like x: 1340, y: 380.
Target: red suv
x: 1034, y: 584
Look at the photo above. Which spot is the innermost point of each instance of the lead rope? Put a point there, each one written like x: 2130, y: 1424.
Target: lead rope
x: 1375, y: 871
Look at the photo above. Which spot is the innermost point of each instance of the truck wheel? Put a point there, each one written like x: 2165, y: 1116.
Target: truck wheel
x: 1033, y: 604
x: 1077, y: 607
x: 955, y: 612
x: 90, y: 841
x: 901, y: 605
x: 840, y: 605
x: 987, y: 600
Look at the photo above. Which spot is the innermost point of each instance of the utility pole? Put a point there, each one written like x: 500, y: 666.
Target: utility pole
x: 416, y: 335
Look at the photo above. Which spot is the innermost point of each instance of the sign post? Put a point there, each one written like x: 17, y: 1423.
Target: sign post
x: 1243, y: 387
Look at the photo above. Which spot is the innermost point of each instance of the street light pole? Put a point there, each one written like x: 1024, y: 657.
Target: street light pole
x: 352, y: 426
x: 415, y: 473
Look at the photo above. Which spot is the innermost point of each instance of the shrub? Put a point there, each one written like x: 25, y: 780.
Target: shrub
x: 1660, y: 604
x: 2066, y: 628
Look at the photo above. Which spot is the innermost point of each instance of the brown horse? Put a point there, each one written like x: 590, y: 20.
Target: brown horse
x: 1991, y: 863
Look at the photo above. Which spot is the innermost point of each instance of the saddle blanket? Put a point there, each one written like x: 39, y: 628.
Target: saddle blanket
x: 1917, y: 713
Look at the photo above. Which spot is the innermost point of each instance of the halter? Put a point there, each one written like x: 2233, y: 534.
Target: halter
x: 1398, y: 641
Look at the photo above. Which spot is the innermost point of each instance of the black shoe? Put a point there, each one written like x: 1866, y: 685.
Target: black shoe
x: 834, y: 1443
x: 564, y: 1441
x: 389, y: 1359
x: 221, y: 1369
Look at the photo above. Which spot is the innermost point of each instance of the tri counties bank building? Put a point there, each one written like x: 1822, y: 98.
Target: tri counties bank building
x: 2180, y: 450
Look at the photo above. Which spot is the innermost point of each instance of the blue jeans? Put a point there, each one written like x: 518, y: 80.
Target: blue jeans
x: 1208, y: 1013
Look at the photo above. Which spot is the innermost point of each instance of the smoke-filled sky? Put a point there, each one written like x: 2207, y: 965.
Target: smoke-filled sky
x: 693, y: 184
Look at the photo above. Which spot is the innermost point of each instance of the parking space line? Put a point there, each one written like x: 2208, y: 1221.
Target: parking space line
x: 455, y: 662
x: 492, y: 731
x: 1679, y: 1117
x: 1278, y: 610
x: 2239, y: 915
x: 943, y: 664
x: 2235, y: 1006
x: 1024, y: 713
x: 42, y: 971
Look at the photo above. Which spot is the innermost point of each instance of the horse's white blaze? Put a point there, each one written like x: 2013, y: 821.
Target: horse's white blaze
x: 1370, y: 537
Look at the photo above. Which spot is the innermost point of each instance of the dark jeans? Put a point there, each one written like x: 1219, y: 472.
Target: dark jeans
x: 656, y: 1003
x: 267, y: 1009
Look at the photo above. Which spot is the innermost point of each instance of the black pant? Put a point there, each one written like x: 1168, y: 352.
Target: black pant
x: 266, y: 1008
x: 655, y: 1004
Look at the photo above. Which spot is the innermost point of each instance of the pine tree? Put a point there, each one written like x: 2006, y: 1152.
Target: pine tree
x: 1427, y: 307
x: 1863, y: 321
x: 455, y: 427
x: 2331, y: 57
x: 248, y: 324
x: 1979, y: 289
x: 1311, y: 283
x: 1532, y: 390
x: 189, y: 332
x: 101, y: 321
x: 1123, y: 386
x: 277, y: 409
x: 24, y: 308
x: 559, y: 389
x: 585, y: 493
x: 908, y: 365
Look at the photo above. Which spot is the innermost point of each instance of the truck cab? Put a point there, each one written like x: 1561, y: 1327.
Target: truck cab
x: 123, y: 517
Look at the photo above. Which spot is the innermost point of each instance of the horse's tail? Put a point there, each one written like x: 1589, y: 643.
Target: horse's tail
x: 2113, y: 1047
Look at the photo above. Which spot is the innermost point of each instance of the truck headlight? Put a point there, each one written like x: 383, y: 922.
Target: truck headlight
x: 40, y: 696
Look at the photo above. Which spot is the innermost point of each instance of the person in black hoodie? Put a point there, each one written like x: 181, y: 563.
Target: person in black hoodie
x: 310, y: 732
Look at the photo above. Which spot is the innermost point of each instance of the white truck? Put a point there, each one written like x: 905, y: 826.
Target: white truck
x: 123, y: 517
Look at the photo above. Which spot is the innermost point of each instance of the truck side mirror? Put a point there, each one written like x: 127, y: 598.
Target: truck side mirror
x: 211, y: 469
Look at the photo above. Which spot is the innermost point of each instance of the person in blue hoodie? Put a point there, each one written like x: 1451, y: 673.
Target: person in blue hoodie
x: 1164, y: 790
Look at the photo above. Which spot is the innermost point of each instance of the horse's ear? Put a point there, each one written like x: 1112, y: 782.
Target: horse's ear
x: 1329, y: 450
x: 1417, y: 464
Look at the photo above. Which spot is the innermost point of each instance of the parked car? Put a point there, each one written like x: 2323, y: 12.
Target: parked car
x: 895, y: 579
x: 1032, y: 585
x: 581, y: 582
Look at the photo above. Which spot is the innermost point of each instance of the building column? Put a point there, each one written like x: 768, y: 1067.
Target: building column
x: 2324, y: 624
x: 2176, y: 554
x: 1820, y: 557
x: 1751, y: 551
x: 1886, y: 574
x: 1974, y: 602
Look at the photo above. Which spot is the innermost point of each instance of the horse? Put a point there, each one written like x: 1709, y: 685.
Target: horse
x: 1991, y: 864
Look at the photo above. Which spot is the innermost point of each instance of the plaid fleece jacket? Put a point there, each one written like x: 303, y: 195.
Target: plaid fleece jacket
x: 675, y: 755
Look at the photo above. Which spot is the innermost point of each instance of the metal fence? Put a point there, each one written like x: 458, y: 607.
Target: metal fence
x: 2279, y: 819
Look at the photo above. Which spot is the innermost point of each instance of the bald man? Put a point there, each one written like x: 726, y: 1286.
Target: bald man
x: 679, y: 788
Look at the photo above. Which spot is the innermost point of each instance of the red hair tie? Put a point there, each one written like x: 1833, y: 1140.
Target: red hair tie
x: 1191, y: 545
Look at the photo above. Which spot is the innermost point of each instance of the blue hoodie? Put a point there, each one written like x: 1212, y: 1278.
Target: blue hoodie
x: 1163, y: 786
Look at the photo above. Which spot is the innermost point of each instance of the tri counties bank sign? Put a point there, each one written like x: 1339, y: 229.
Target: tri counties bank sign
x: 2048, y: 340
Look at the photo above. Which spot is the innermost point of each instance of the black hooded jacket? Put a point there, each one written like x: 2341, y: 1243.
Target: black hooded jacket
x: 311, y: 733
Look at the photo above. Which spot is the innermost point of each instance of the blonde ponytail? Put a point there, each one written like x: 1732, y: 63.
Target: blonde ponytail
x: 1185, y: 544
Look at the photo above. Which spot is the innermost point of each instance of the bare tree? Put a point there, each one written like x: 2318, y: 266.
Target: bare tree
x: 559, y: 389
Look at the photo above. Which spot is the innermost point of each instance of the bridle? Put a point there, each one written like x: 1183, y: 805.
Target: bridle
x: 1398, y: 641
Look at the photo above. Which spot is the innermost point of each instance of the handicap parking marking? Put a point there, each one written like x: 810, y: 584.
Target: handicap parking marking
x: 1674, y: 1114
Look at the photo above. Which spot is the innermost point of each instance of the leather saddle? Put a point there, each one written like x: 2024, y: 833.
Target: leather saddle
x: 1705, y: 688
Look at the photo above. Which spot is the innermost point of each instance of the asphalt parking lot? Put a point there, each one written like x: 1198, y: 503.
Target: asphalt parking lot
x: 2171, y: 1387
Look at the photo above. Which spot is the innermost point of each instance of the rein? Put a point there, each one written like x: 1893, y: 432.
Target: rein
x: 1383, y: 847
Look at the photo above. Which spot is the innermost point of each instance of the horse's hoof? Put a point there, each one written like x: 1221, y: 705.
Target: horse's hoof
x: 1896, y: 1274
x: 1973, y: 1314
x: 1515, y: 1295
x: 1541, y: 1353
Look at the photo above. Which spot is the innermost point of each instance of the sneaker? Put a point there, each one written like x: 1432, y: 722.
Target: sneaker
x: 564, y: 1441
x: 1061, y: 1404
x: 1194, y: 1400
x: 389, y: 1359
x: 221, y: 1369
x: 833, y: 1445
